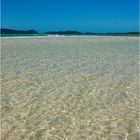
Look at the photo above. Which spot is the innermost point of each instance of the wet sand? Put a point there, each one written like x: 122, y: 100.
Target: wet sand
x: 70, y: 88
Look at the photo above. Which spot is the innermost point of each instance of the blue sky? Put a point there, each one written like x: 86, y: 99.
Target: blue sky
x: 81, y: 15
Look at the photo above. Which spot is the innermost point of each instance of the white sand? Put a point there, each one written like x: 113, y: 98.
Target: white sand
x: 70, y: 88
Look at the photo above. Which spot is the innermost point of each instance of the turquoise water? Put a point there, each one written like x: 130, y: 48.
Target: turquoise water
x: 16, y: 35
x: 21, y: 35
x: 72, y: 88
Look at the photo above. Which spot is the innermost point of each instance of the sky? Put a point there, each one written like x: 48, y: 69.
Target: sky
x: 79, y: 15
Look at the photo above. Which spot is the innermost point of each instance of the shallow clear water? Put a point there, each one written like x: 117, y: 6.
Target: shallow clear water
x: 70, y: 88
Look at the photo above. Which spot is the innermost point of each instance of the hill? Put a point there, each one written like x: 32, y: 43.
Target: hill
x: 91, y: 33
x: 11, y: 31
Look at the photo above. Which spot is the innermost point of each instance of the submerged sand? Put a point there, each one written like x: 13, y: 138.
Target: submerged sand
x: 70, y: 88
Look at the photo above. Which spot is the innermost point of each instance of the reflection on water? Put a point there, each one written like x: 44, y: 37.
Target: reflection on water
x: 70, y: 88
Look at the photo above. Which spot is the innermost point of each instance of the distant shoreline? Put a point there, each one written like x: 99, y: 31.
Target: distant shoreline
x: 61, y: 36
x: 10, y: 32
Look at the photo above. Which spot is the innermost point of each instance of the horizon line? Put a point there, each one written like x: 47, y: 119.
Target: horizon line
x: 67, y: 31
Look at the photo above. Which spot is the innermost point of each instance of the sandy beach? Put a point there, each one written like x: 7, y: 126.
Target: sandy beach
x: 70, y: 88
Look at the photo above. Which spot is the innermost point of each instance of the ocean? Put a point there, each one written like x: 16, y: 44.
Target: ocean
x: 70, y: 88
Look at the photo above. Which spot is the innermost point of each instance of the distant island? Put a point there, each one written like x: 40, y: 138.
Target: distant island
x: 90, y: 33
x: 5, y: 32
x: 12, y: 31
